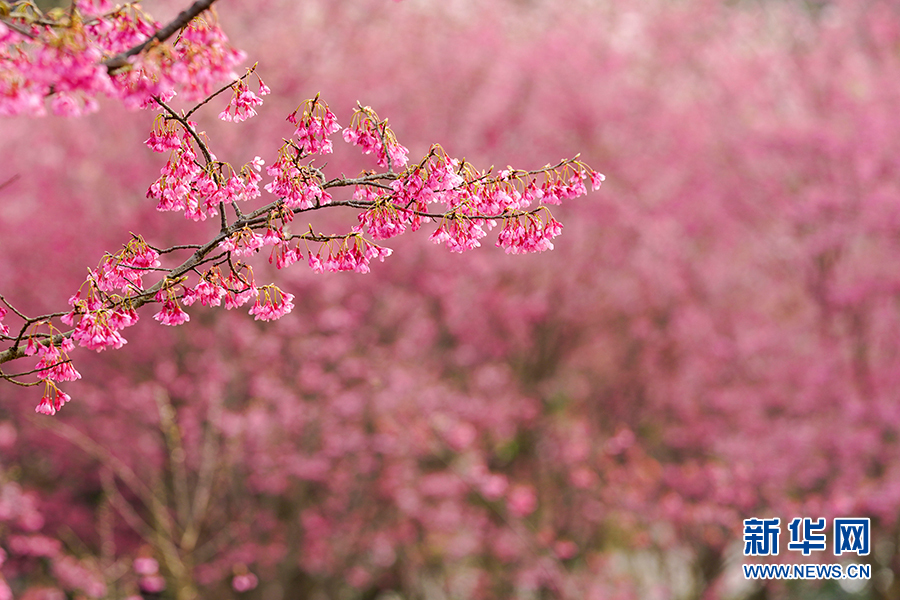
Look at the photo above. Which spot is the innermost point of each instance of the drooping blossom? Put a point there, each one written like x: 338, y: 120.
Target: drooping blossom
x: 171, y: 312
x: 374, y: 136
x: 243, y: 104
x: 271, y: 303
x: 53, y: 399
x: 533, y: 235
x: 314, y: 124
x: 299, y: 187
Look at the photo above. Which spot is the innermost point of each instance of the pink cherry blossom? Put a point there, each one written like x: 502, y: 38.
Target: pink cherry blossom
x: 52, y: 401
x: 244, y: 582
x: 271, y: 304
x: 171, y: 314
x: 315, y: 124
x: 242, y: 105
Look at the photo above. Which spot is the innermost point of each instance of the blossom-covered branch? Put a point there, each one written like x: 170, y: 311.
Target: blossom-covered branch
x: 465, y: 203
x: 75, y: 56
x: 120, y: 60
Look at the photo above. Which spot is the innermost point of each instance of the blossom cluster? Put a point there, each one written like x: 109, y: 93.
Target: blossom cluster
x: 54, y: 360
x: 101, y: 308
x: 466, y: 203
x: 124, y: 271
x: 299, y: 186
x: 236, y: 288
x: 353, y: 253
x: 314, y: 124
x: 374, y: 136
x: 473, y: 201
x: 243, y: 102
x: 52, y: 400
x: 64, y: 57
x: 271, y: 303
x: 533, y: 235
x: 198, y: 191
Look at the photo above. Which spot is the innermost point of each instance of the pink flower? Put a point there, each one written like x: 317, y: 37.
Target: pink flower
x: 163, y: 136
x: 383, y: 222
x: 532, y: 236
x: 152, y: 584
x: 275, y: 304
x: 171, y: 314
x: 244, y: 582
x: 460, y: 234
x: 315, y: 263
x: 243, y: 242
x: 315, y: 124
x: 521, y: 501
x: 284, y: 256
x: 238, y: 299
x: 55, y: 364
x: 209, y: 294
x: 124, y: 270
x: 145, y: 566
x: 53, y: 400
x: 242, y: 105
x: 354, y: 255
x: 98, y: 331
x: 374, y: 136
x: 298, y: 187
x: 120, y: 318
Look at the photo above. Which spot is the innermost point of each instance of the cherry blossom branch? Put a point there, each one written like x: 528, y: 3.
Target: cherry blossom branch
x: 11, y: 376
x: 387, y: 204
x: 12, y: 308
x: 176, y: 248
x: 221, y: 90
x: 187, y: 127
x: 56, y: 58
x: 161, y: 35
x: 256, y: 220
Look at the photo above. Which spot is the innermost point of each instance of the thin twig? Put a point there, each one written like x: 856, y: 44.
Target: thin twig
x: 184, y: 122
x: 175, y: 248
x: 62, y: 362
x: 219, y: 91
x: 9, y: 181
